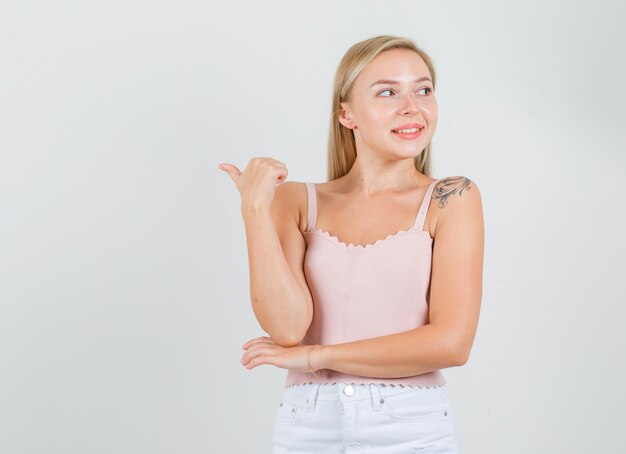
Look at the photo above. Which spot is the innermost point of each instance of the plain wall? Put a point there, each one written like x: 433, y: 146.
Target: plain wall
x: 124, y: 291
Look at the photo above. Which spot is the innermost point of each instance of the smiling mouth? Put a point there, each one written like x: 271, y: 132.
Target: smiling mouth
x: 407, y: 131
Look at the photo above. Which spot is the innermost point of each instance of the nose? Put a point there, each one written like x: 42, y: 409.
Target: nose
x: 409, y: 105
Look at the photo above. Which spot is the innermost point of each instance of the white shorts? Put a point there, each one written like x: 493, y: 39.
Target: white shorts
x: 365, y: 419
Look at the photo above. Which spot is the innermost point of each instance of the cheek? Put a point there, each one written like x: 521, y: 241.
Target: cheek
x: 379, y: 122
x: 380, y: 116
x: 433, y: 117
x: 432, y: 109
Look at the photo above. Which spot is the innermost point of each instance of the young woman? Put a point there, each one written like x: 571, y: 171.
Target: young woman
x: 366, y: 288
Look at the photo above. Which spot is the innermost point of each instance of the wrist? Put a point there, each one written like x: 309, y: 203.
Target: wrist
x: 254, y: 209
x: 256, y: 216
x: 319, y: 357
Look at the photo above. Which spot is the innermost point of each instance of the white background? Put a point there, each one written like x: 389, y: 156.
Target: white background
x: 124, y: 291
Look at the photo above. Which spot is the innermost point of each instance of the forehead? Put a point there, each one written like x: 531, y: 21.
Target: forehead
x: 396, y: 64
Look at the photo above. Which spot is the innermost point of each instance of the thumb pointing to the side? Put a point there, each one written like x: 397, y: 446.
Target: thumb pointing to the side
x: 230, y: 169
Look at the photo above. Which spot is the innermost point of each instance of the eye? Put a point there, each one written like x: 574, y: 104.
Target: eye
x: 384, y: 91
x: 426, y: 88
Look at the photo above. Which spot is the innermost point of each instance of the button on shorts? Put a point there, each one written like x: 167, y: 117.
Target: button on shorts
x: 365, y: 419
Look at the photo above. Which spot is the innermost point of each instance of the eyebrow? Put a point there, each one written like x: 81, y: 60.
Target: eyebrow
x: 394, y: 82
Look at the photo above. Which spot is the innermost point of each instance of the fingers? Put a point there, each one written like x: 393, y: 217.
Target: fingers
x: 274, y: 166
x: 282, y: 175
x: 254, y: 161
x: 230, y: 169
x: 265, y: 159
x: 260, y: 354
x: 251, y: 342
x: 258, y: 181
x: 280, y: 163
x: 280, y: 170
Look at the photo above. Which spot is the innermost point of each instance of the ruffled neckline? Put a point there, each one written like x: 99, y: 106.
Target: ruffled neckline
x: 343, y: 245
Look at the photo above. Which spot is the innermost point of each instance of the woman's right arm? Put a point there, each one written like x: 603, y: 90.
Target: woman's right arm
x: 281, y: 299
x: 279, y: 293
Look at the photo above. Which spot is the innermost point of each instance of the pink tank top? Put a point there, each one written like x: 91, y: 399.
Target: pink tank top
x: 366, y: 291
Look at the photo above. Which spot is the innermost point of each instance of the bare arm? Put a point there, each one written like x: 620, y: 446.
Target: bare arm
x: 455, y: 296
x: 281, y: 299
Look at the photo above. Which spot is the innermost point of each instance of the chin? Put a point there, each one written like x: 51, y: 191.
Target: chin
x: 411, y: 152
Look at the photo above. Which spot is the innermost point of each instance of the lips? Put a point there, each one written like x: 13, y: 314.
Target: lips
x: 410, y: 131
x: 408, y: 126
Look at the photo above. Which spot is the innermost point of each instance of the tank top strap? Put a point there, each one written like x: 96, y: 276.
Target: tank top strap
x: 421, y: 214
x: 311, y: 206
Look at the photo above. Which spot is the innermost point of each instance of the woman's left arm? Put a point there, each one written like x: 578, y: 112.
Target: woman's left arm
x: 454, y: 305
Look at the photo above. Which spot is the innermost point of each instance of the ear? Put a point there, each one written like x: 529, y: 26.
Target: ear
x: 345, y: 117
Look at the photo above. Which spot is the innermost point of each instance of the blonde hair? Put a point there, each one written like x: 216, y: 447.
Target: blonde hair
x: 341, y: 144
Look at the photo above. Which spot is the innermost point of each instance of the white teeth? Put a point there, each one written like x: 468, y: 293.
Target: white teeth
x: 407, y: 131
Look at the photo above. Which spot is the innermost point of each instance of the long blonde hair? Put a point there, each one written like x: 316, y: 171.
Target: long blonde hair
x: 341, y: 144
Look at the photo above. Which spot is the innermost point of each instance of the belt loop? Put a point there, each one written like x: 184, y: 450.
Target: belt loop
x: 310, y: 402
x: 376, y: 399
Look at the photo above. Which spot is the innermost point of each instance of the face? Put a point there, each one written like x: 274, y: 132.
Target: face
x: 389, y: 100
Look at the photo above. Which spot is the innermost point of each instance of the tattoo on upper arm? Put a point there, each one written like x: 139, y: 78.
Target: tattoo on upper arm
x: 448, y: 187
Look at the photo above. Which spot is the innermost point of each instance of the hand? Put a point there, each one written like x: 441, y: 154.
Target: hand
x: 256, y: 184
x: 263, y: 350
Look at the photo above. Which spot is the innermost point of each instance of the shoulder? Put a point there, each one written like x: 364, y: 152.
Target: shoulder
x: 458, y: 201
x: 290, y: 200
x: 450, y: 189
x: 290, y: 190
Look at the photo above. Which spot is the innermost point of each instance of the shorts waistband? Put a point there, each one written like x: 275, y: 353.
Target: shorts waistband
x: 310, y: 393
